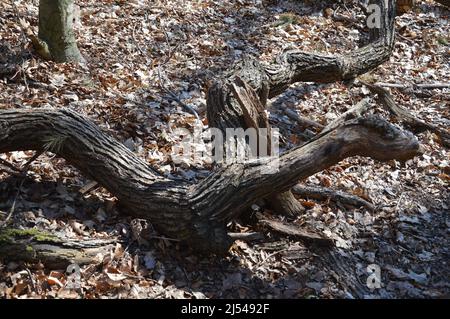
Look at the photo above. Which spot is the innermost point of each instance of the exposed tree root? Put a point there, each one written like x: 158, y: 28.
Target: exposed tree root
x: 323, y: 193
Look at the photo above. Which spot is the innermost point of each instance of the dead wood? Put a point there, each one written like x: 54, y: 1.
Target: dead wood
x: 323, y: 193
x: 198, y: 213
x: 302, y: 234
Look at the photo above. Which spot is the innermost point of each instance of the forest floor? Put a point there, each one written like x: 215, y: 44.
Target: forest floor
x: 139, y: 55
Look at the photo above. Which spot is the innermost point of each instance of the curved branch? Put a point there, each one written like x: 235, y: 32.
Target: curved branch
x: 413, y: 123
x: 194, y: 213
x: 198, y: 213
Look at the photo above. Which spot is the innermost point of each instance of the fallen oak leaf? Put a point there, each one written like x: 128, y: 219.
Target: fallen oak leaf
x: 54, y: 281
x: 307, y: 203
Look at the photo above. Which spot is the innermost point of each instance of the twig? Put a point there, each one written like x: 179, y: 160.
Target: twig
x: 175, y: 97
x: 33, y: 283
x: 246, y: 236
x: 268, y: 257
x: 9, y: 165
x: 303, y: 234
x: 13, y: 207
x: 428, y: 86
x: 9, y: 171
x: 339, y: 17
x: 16, y: 171
x: 31, y: 160
x: 171, y: 52
x: 165, y: 238
x: 135, y: 40
x: 302, y: 121
x: 405, y: 38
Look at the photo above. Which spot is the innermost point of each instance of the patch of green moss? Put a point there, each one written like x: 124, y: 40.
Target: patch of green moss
x: 286, y: 19
x: 442, y: 41
x: 9, y: 234
x: 29, y: 249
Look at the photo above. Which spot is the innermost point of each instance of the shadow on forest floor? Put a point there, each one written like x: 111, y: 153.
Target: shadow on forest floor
x: 306, y: 271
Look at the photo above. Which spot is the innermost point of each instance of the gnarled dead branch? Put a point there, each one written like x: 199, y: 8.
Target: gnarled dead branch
x: 198, y: 213
x: 195, y: 213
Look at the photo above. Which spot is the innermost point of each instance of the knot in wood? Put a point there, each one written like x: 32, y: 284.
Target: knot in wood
x: 4, y: 128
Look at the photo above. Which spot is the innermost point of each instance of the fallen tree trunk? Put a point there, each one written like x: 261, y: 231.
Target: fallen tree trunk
x: 195, y: 213
x: 32, y: 245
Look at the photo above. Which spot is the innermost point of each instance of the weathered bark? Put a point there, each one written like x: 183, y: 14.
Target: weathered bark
x: 56, y: 39
x: 31, y: 245
x: 255, y: 117
x: 357, y: 111
x: 195, y: 213
x: 269, y: 80
x: 286, y: 204
x: 305, y: 235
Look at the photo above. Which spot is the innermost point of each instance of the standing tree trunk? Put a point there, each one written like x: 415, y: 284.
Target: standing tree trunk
x: 56, y: 39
